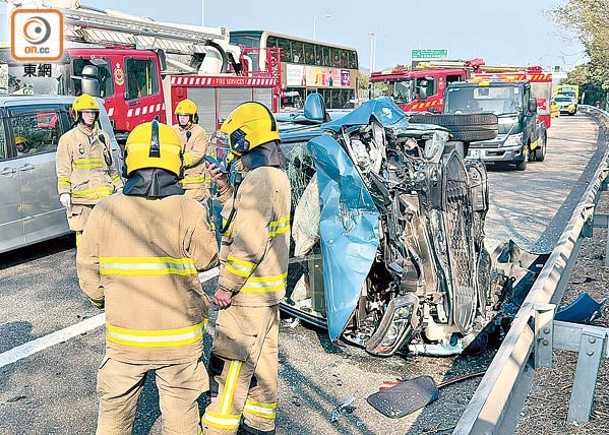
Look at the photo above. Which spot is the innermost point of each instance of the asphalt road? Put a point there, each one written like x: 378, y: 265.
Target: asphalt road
x: 53, y: 391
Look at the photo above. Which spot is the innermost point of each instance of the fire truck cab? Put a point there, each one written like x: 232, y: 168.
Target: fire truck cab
x: 522, y: 135
x: 418, y: 90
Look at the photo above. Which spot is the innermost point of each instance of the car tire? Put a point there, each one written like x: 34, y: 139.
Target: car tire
x: 540, y: 152
x: 522, y: 166
x: 465, y: 128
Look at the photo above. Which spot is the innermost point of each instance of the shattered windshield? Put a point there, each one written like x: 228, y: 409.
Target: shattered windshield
x: 494, y: 99
x: 402, y: 91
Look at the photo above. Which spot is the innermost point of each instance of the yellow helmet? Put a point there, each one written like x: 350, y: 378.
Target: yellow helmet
x: 153, y: 145
x: 84, y: 102
x: 248, y: 126
x: 187, y: 107
x: 20, y: 140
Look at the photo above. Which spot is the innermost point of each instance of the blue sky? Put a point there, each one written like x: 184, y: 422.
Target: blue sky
x: 518, y: 35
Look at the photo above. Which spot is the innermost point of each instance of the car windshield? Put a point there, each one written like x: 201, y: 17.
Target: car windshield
x: 562, y: 99
x: 494, y: 99
x: 402, y: 91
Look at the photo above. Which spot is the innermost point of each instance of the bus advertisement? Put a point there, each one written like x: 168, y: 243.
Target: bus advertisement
x: 306, y: 66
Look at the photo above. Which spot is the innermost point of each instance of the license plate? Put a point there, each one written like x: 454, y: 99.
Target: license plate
x: 476, y: 154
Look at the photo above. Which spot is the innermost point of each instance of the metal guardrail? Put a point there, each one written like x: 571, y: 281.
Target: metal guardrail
x: 498, y: 401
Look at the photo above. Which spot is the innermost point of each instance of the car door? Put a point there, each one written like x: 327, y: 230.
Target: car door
x: 11, y: 227
x: 42, y: 213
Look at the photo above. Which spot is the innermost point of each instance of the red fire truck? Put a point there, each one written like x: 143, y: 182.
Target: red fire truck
x: 422, y: 89
x: 142, y: 69
x: 418, y: 90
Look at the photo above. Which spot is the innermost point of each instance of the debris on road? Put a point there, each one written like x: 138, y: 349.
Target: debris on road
x: 342, y: 409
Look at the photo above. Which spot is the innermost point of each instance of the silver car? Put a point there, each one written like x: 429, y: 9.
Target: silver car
x: 30, y: 128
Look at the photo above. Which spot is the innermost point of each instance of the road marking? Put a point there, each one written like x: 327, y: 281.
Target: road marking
x: 57, y: 337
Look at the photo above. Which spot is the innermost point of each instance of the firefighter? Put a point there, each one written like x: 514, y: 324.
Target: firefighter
x: 85, y: 170
x: 194, y: 141
x: 139, y: 257
x: 253, y: 276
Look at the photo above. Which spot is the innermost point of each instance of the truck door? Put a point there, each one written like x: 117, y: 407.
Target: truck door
x: 11, y: 227
x: 111, y: 82
x: 143, y: 91
x: 41, y: 127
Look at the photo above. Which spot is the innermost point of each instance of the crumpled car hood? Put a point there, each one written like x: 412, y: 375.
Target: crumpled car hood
x: 349, y: 230
x: 383, y: 109
x: 349, y: 220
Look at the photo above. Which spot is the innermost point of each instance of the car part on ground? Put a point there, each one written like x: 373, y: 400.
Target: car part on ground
x: 404, y: 398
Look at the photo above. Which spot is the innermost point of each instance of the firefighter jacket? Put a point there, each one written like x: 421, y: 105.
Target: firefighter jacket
x: 255, y: 246
x: 196, y: 182
x: 84, y: 164
x: 140, y: 257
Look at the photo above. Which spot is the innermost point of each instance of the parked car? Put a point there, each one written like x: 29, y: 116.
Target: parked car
x: 565, y: 104
x: 387, y: 228
x: 30, y: 128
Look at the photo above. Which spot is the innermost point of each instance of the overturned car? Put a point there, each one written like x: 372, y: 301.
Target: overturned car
x: 388, y: 230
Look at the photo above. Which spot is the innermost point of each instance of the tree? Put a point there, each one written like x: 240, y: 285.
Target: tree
x: 589, y: 20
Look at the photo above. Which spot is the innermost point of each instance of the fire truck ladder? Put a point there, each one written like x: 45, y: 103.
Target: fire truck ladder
x: 102, y: 28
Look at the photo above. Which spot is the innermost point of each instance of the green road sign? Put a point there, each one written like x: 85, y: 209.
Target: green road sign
x: 429, y: 54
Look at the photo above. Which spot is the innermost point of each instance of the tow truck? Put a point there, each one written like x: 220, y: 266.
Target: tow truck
x: 143, y: 68
x: 522, y: 133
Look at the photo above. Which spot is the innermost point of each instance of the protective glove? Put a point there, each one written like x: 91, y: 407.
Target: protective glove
x: 65, y: 200
x: 99, y: 304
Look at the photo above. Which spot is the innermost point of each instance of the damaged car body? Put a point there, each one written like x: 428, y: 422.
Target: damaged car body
x: 388, y: 231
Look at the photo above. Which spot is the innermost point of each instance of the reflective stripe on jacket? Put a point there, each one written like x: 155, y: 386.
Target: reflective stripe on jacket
x: 142, y: 256
x: 196, y: 177
x: 255, y: 247
x: 84, y: 166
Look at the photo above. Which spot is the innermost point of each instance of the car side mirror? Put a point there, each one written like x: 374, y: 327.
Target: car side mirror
x: 422, y: 93
x: 532, y: 105
x: 90, y: 86
x: 315, y: 108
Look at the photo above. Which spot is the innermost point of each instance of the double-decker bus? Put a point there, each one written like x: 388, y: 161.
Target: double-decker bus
x: 306, y: 66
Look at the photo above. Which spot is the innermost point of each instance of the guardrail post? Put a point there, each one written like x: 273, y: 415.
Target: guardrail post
x: 602, y: 221
x: 544, y: 333
x: 582, y: 397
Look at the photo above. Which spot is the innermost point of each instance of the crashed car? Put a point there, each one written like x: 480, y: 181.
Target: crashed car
x: 388, y: 230
x: 387, y: 227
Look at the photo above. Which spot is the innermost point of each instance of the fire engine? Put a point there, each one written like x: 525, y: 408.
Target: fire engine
x: 422, y: 89
x: 142, y: 68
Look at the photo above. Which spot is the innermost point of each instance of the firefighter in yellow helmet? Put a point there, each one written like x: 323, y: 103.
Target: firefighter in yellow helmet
x: 253, y: 276
x: 86, y: 172
x: 140, y: 255
x: 194, y: 141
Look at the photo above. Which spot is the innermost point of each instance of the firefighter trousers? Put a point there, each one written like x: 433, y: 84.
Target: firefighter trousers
x: 179, y: 385
x: 243, y: 371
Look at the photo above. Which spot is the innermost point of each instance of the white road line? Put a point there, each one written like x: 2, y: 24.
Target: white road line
x: 42, y: 343
x: 57, y: 337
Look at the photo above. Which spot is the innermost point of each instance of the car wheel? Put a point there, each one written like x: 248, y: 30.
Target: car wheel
x: 465, y: 128
x: 540, y: 151
x: 523, y: 165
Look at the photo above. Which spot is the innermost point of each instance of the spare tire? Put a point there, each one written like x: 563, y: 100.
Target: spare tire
x: 466, y: 128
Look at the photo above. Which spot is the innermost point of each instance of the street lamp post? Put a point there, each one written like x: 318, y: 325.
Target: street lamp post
x: 372, y: 51
x: 315, y: 23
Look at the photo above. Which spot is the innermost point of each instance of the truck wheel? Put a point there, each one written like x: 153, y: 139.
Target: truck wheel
x: 523, y: 165
x: 540, y: 152
x: 465, y: 128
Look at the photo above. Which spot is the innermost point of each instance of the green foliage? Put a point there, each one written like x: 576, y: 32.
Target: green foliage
x: 589, y: 20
